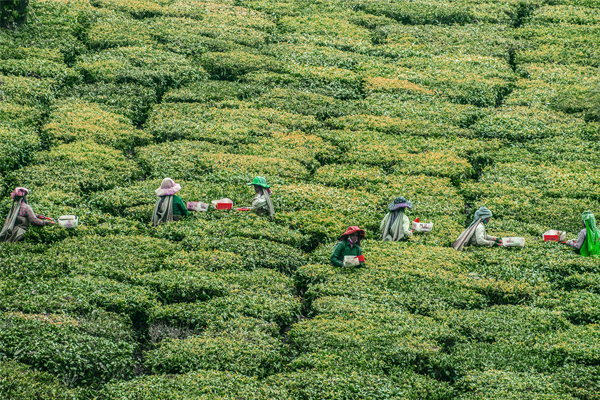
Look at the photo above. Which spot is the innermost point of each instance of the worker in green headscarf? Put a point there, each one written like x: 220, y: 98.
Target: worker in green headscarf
x: 262, y: 203
x: 588, y: 242
x: 475, y: 234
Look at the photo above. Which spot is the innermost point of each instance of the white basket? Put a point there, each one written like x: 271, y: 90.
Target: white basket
x: 422, y: 226
x: 351, y: 261
x: 197, y: 206
x: 68, y: 221
x: 513, y: 242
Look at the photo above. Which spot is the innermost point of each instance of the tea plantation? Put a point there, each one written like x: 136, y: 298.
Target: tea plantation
x: 341, y: 105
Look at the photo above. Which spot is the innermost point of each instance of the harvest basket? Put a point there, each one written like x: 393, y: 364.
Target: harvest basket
x: 197, y: 206
x: 222, y: 204
x: 513, y: 242
x: 422, y: 226
x: 68, y: 221
x: 553, y: 235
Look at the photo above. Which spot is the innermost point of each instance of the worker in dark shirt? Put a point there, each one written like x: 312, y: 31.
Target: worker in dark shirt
x: 169, y: 207
x: 348, y: 246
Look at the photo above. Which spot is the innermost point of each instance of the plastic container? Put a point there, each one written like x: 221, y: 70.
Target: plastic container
x: 197, y: 206
x: 68, y: 221
x: 222, y: 204
x: 422, y: 226
x: 554, y: 236
x: 351, y: 261
x: 513, y: 242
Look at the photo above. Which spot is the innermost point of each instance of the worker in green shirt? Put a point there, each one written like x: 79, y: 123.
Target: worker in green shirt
x: 348, y: 248
x: 169, y: 207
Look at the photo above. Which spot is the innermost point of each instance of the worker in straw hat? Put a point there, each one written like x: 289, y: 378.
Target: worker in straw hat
x: 588, y: 242
x: 168, y: 207
x: 261, y: 203
x: 20, y: 216
x: 348, y: 245
x: 475, y: 234
x: 395, y: 225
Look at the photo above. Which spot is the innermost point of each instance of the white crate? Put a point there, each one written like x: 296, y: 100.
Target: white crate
x: 513, y: 242
x: 422, y: 226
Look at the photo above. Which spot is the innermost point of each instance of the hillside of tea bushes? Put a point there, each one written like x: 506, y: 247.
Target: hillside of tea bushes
x: 342, y: 105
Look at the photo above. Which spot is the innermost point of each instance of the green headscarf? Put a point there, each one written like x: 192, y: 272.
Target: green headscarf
x: 591, y: 246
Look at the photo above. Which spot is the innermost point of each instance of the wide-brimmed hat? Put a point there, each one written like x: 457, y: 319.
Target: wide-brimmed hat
x: 19, y: 192
x: 399, y: 202
x: 168, y: 187
x: 353, y: 229
x: 260, y: 181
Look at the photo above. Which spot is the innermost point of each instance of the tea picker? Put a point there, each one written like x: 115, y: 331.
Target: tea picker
x: 347, y: 252
x: 395, y: 225
x: 475, y: 234
x: 168, y: 207
x: 262, y: 203
x: 588, y: 241
x: 20, y: 216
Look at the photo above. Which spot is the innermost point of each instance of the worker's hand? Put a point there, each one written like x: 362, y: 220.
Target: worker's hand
x: 495, y: 244
x: 498, y: 240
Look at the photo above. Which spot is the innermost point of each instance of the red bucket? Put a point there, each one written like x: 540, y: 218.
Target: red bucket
x: 224, y: 206
x: 361, y: 259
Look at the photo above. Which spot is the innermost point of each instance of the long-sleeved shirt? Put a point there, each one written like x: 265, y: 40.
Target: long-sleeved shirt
x: 480, y: 237
x: 27, y: 212
x: 178, y: 207
x: 394, y: 229
x: 259, y: 204
x: 343, y: 249
x: 576, y: 244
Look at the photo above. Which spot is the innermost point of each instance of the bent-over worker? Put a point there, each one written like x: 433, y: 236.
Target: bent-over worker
x: 588, y: 241
x: 168, y: 207
x: 262, y: 203
x: 395, y: 225
x: 475, y: 234
x: 20, y: 216
x: 348, y: 245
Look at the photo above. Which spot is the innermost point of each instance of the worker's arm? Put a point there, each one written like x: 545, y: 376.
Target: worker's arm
x: 336, y: 255
x: 406, y: 226
x: 580, y: 239
x: 481, y: 238
x: 32, y: 218
x: 178, y: 204
x: 259, y: 202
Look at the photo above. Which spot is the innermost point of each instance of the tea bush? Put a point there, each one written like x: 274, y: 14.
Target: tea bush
x: 447, y: 39
x: 561, y: 43
x: 348, y: 384
x: 61, y: 347
x: 79, y: 295
x: 132, y: 101
x: 212, y: 92
x: 257, y: 253
x: 20, y: 381
x: 78, y: 167
x: 190, y: 160
x: 27, y: 91
x: 147, y: 66
x: 233, y: 64
x: 18, y: 146
x: 342, y: 106
x: 247, y: 351
x: 193, y: 385
x: 82, y: 121
x: 193, y: 121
